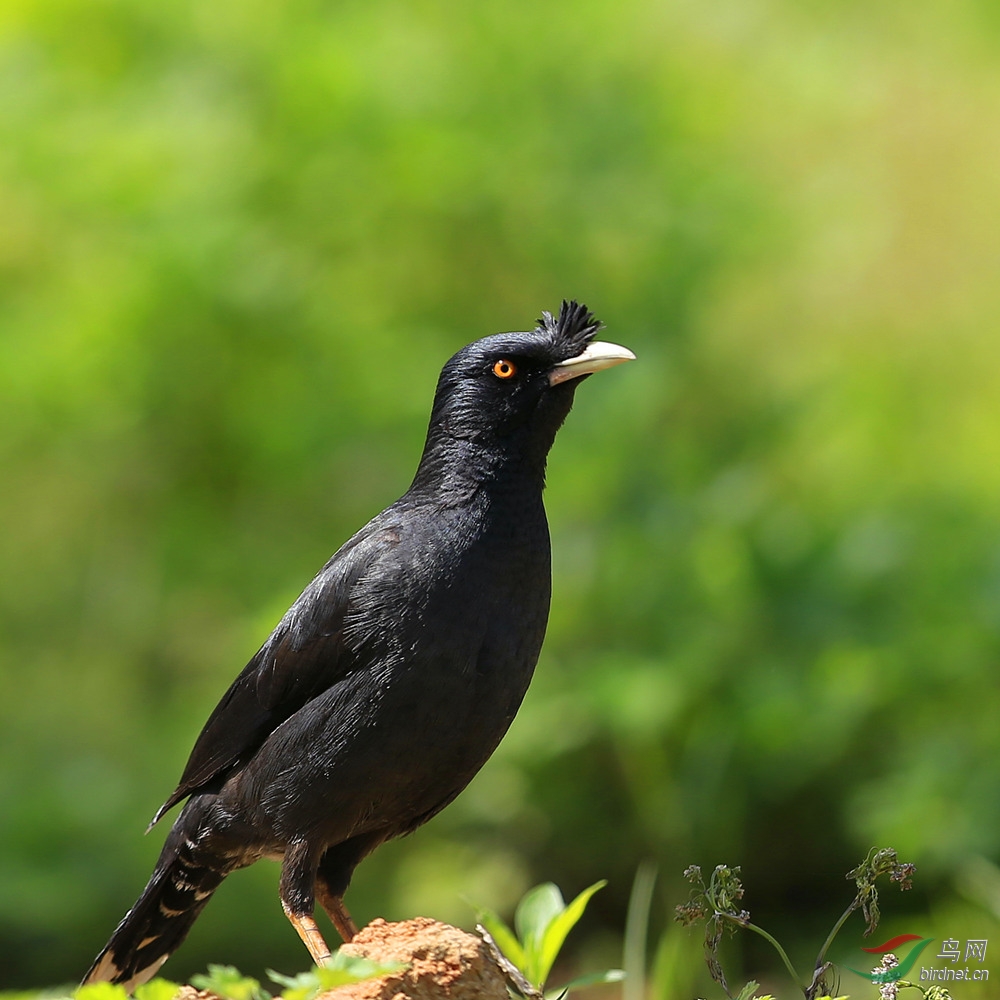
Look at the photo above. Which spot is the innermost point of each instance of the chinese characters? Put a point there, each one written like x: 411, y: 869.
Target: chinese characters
x: 975, y: 949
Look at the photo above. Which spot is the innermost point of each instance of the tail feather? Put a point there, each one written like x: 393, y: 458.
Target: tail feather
x: 159, y: 921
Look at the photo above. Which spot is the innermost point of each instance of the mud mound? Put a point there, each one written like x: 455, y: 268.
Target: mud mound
x: 443, y: 962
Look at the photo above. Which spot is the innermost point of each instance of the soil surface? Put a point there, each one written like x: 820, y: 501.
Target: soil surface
x: 444, y: 962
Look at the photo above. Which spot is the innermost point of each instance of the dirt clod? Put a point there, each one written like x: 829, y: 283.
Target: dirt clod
x: 192, y: 993
x: 444, y: 962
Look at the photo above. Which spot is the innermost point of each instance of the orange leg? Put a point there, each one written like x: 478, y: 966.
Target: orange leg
x: 306, y: 928
x: 337, y: 912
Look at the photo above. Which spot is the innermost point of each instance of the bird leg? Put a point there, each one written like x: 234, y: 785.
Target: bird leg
x: 333, y: 875
x: 297, y: 888
x: 306, y: 928
x: 336, y: 911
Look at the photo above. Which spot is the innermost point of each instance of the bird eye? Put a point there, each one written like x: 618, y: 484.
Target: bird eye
x: 504, y: 369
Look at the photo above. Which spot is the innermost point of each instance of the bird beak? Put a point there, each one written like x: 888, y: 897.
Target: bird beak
x: 596, y: 357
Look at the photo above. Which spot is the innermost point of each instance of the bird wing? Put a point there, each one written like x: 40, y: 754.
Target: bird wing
x: 303, y: 656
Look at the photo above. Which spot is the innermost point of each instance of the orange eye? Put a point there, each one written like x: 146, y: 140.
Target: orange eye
x: 504, y: 369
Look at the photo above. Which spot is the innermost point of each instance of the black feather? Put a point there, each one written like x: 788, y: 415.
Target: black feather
x: 572, y: 331
x: 179, y: 889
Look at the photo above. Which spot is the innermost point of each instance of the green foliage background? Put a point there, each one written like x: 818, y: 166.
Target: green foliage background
x: 238, y: 240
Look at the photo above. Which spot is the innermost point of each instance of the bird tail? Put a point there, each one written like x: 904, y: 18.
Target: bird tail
x: 159, y: 921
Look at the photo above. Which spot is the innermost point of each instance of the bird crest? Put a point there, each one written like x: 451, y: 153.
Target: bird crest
x: 571, y: 331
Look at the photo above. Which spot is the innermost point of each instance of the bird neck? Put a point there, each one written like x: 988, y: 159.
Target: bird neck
x: 453, y: 470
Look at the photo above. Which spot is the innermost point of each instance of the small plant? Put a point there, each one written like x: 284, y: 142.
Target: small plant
x: 886, y: 975
x: 155, y: 989
x: 339, y: 969
x: 542, y: 920
x: 717, y: 903
x: 934, y: 992
x: 228, y: 982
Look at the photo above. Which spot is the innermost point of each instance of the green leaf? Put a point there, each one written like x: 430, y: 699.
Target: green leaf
x: 48, y: 993
x: 593, y: 979
x: 304, y: 986
x: 340, y: 970
x: 157, y: 989
x: 228, y: 982
x: 542, y: 920
x: 101, y: 991
x: 503, y: 936
x: 637, y: 932
x: 558, y: 927
x: 538, y: 909
x: 748, y: 991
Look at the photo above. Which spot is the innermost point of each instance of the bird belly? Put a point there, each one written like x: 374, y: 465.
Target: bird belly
x: 377, y: 752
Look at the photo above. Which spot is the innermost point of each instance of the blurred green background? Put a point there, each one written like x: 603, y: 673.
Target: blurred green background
x: 237, y: 242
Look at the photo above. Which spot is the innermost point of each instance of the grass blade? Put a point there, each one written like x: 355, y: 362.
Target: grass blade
x: 559, y: 927
x: 637, y: 931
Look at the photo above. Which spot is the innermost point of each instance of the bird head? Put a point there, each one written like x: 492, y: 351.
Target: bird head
x: 501, y: 400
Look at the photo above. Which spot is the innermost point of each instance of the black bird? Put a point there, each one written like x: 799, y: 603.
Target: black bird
x: 391, y: 680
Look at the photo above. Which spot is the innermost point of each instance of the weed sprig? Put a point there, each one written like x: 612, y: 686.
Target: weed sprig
x: 717, y: 904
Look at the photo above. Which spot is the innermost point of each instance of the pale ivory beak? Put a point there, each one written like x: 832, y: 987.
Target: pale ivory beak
x: 598, y: 356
